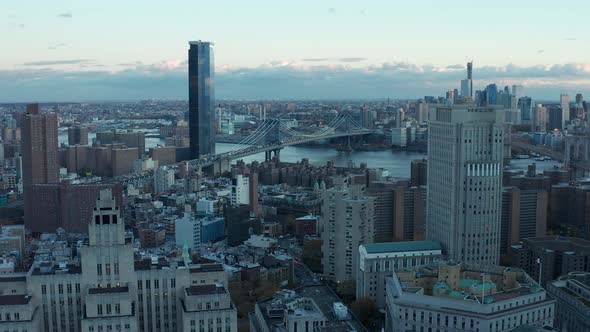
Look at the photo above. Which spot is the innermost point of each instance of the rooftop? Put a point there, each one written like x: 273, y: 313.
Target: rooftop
x: 323, y: 297
x: 559, y: 243
x: 14, y: 299
x: 108, y: 290
x: 204, y: 290
x: 385, y: 247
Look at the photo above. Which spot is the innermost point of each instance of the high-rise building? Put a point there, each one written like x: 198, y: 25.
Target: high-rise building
x: 40, y: 153
x: 77, y: 135
x: 163, y: 179
x: 524, y: 214
x: 539, y: 118
x: 564, y: 100
x: 103, y: 288
x: 201, y: 99
x: 346, y: 222
x: 549, y: 257
x: 465, y: 146
x: 525, y: 104
x: 491, y: 94
x: 240, y: 190
x: 467, y: 84
x: 518, y: 91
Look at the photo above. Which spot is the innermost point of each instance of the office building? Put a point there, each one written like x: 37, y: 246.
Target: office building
x: 539, y: 118
x: 518, y: 91
x: 524, y: 215
x: 491, y: 93
x: 447, y: 296
x: 201, y: 99
x: 40, y: 155
x: 347, y: 221
x: 525, y: 104
x: 419, y: 172
x: 77, y: 135
x: 564, y: 101
x: 380, y: 260
x: 163, y: 179
x: 307, y: 308
x: 105, y: 289
x: 551, y: 256
x: 422, y: 112
x: 572, y: 295
x: 554, y: 118
x: 569, y: 208
x: 465, y: 147
x: 467, y: 84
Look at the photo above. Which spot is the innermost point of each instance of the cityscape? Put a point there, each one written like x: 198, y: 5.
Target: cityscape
x: 242, y: 205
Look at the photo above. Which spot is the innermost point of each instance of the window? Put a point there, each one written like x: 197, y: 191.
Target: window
x: 109, y: 309
x: 99, y: 269
x: 60, y: 288
x: 99, y: 309
x: 139, y: 284
x: 147, y: 284
x: 173, y: 283
x: 43, y: 289
x: 156, y: 284
x: 116, y: 268
x: 117, y: 308
x: 108, y: 269
x: 77, y: 288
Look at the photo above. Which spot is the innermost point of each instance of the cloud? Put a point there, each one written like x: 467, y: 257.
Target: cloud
x: 570, y: 39
x: 65, y: 15
x: 57, y: 62
x: 278, y: 80
x: 541, y: 51
x: 316, y: 59
x: 56, y: 46
x: 332, y: 10
x: 20, y: 25
x: 352, y: 59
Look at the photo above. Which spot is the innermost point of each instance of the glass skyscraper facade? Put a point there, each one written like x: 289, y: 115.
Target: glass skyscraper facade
x: 201, y: 99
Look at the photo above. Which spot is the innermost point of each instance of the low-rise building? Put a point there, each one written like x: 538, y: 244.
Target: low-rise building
x: 447, y: 296
x: 308, y: 308
x: 378, y: 261
x: 572, y: 293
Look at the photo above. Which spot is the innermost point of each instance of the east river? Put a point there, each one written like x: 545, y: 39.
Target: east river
x: 397, y: 163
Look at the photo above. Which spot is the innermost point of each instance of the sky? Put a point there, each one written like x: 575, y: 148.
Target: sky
x: 304, y: 49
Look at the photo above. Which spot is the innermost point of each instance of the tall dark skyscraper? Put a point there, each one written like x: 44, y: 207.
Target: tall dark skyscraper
x: 40, y: 153
x: 201, y: 99
x: 470, y: 70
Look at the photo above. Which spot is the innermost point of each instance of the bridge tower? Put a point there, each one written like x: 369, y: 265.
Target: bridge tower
x: 273, y: 137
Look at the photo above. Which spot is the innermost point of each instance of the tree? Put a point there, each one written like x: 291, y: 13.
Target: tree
x: 365, y: 310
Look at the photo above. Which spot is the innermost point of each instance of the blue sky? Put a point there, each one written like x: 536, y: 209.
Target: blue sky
x: 82, y: 50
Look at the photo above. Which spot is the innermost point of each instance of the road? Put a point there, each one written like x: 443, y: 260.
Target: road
x: 305, y: 276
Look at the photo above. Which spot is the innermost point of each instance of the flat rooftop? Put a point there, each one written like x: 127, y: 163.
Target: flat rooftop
x: 108, y: 290
x: 404, y: 246
x: 14, y: 299
x: 324, y: 299
x: 559, y: 243
x: 204, y: 290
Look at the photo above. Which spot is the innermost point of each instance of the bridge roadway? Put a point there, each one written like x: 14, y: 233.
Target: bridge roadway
x: 231, y: 155
x: 542, y: 150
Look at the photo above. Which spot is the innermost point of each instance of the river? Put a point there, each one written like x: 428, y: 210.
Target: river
x: 397, y: 163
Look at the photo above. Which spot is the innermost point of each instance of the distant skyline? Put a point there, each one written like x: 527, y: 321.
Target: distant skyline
x: 127, y: 50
